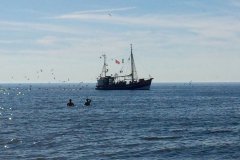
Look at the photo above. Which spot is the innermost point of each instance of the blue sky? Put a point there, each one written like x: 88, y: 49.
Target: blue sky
x: 173, y: 41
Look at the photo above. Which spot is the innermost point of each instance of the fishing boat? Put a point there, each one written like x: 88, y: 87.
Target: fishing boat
x: 128, y: 81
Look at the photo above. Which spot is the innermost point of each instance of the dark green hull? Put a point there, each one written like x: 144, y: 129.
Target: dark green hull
x: 140, y: 85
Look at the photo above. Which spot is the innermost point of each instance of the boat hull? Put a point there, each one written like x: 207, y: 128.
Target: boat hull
x: 140, y: 85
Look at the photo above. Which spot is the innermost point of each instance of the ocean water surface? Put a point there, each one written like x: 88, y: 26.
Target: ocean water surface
x: 170, y: 121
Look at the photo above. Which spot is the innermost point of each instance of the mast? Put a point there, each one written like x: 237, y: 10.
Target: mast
x: 133, y: 67
x: 104, y: 69
x: 132, y: 61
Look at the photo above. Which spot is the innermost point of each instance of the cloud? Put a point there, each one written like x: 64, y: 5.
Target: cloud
x: 154, y: 31
x: 27, y: 26
x: 151, y: 30
x: 204, y: 25
x: 48, y: 40
x: 101, y: 14
x: 235, y: 3
x: 105, y: 10
x: 9, y: 42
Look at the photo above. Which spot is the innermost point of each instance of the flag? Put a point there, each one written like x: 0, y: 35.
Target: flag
x: 116, y: 61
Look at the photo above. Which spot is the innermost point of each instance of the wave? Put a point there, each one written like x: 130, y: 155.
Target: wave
x: 155, y: 138
x: 214, y: 130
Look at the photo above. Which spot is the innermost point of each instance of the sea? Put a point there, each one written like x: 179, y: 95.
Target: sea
x: 171, y: 121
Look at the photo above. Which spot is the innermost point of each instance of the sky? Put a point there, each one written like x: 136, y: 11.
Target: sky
x: 173, y: 41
